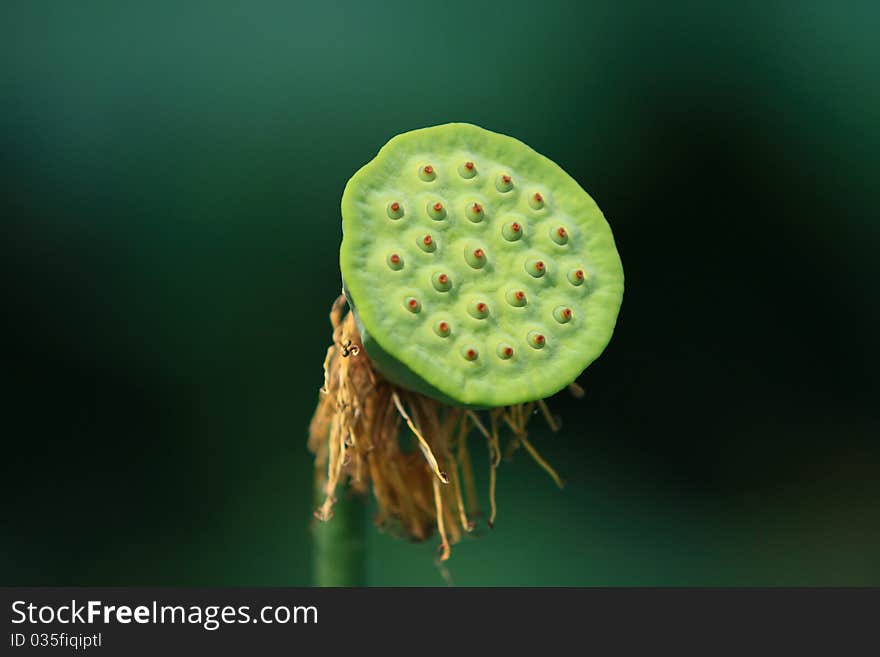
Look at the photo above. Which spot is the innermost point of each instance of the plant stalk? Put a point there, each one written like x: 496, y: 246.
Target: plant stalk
x: 339, y: 545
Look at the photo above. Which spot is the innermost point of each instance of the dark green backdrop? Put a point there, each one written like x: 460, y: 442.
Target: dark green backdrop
x: 171, y: 176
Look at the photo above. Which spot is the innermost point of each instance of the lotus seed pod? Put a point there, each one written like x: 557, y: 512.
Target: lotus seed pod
x: 531, y: 279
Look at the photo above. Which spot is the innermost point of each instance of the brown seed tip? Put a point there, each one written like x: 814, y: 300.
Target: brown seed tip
x: 539, y: 339
x: 443, y: 326
x: 508, y: 352
x: 478, y: 253
x: 505, y: 179
x: 395, y: 258
x: 579, y: 274
x: 477, y: 207
x: 428, y: 241
x: 428, y: 169
x: 567, y: 313
x: 438, y: 206
x: 443, y: 278
x: 520, y: 295
x: 560, y: 231
x: 413, y: 303
x: 481, y: 307
x: 515, y: 227
x: 468, y: 165
x: 538, y: 198
x: 395, y: 206
x: 539, y: 265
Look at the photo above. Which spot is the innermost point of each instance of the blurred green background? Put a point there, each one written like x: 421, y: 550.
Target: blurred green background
x: 171, y: 176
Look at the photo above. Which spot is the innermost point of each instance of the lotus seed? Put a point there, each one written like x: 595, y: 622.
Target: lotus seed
x: 559, y: 235
x: 441, y: 282
x: 576, y: 276
x: 476, y: 258
x: 504, y: 183
x: 395, y: 262
x: 442, y: 329
x: 478, y: 310
x: 536, y: 339
x: 467, y: 170
x: 475, y: 212
x: 516, y: 298
x: 512, y: 231
x: 469, y: 353
x: 536, y: 268
x: 413, y: 305
x: 395, y: 210
x: 562, y: 314
x: 427, y: 244
x: 436, y: 211
x: 504, y: 351
x: 536, y: 201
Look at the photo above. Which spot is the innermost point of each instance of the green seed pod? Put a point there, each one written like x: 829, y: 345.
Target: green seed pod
x: 531, y: 309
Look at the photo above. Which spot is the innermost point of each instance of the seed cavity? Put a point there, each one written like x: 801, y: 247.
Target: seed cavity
x: 427, y: 173
x: 442, y: 329
x: 562, y: 314
x: 394, y: 261
x: 478, y: 310
x: 576, y: 276
x: 504, y: 351
x: 395, y: 210
x: 412, y: 304
x: 512, y: 231
x: 476, y: 258
x: 467, y: 170
x: 441, y: 282
x: 436, y: 211
x: 475, y: 212
x: 536, y: 201
x: 536, y: 339
x: 536, y: 268
x: 559, y: 235
x: 427, y: 244
x: 516, y: 298
x: 504, y: 183
x: 470, y: 353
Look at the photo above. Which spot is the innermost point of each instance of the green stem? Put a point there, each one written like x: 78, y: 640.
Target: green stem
x: 339, y: 550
